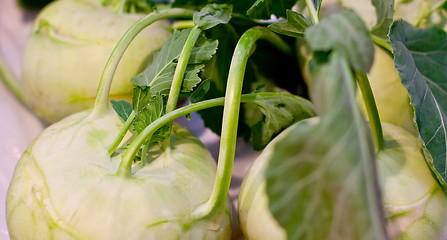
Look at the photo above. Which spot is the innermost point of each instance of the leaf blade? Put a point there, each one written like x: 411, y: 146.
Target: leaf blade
x: 420, y: 55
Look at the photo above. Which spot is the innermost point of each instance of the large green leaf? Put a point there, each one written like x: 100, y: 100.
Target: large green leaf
x: 159, y: 74
x: 122, y: 108
x: 420, y: 56
x: 332, y: 33
x: 321, y: 178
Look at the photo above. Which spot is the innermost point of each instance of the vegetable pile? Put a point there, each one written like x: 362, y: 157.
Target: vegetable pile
x: 347, y: 101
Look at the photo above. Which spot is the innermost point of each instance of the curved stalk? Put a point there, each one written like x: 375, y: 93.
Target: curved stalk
x: 179, y: 73
x: 102, y: 94
x: 371, y: 110
x: 231, y: 115
x: 13, y: 83
x: 125, y: 165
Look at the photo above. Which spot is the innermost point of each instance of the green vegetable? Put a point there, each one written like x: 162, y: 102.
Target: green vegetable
x: 66, y: 187
x: 66, y: 51
x: 414, y: 202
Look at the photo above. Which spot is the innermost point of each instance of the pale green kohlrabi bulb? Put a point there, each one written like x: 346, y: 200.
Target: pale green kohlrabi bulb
x: 66, y: 53
x: 414, y: 203
x: 65, y: 187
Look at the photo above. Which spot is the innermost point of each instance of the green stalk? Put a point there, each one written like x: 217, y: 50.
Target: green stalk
x: 231, y: 115
x: 13, y: 83
x: 382, y: 43
x: 179, y: 73
x: 125, y: 165
x: 371, y: 110
x: 121, y: 134
x: 312, y: 11
x: 124, y: 168
x: 177, y: 80
x: 102, y: 94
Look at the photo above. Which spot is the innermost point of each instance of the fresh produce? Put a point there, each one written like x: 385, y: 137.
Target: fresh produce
x: 414, y: 202
x: 331, y: 166
x: 66, y: 51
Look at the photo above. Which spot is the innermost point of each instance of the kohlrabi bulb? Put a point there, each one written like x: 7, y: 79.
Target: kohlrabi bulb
x: 414, y: 203
x: 65, y: 186
x: 66, y: 53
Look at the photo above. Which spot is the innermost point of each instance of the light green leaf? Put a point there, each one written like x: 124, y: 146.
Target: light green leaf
x: 347, y: 33
x: 148, y: 114
x: 212, y: 15
x: 321, y: 179
x: 295, y: 26
x: 420, y: 56
x: 159, y: 74
x: 122, y: 108
x: 274, y: 112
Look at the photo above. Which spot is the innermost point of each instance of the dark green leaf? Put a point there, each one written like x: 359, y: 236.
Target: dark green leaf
x: 33, y: 4
x: 159, y: 74
x: 385, y: 13
x: 317, y: 4
x: 122, y: 108
x: 200, y: 92
x: 263, y: 9
x: 321, y: 179
x: 278, y: 111
x: 295, y: 26
x: 347, y: 33
x: 420, y: 56
x: 212, y: 15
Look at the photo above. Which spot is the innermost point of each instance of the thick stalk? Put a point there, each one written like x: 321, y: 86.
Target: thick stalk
x: 312, y: 11
x: 371, y: 110
x: 231, y: 115
x: 126, y: 163
x: 102, y: 94
x: 13, y: 83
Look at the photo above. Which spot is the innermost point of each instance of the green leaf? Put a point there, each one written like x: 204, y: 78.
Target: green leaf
x: 295, y: 26
x: 148, y: 114
x: 212, y: 15
x: 420, y: 56
x: 263, y: 9
x: 385, y: 13
x: 122, y: 108
x: 159, y: 74
x: 347, y: 33
x: 321, y: 179
x: 278, y: 111
x: 200, y: 92
x: 317, y: 4
x: 140, y: 98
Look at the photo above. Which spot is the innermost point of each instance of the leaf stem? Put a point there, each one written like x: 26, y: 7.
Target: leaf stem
x: 121, y: 134
x: 125, y: 165
x: 371, y: 110
x: 312, y: 11
x: 179, y: 73
x: 382, y: 43
x: 102, y: 94
x: 231, y: 116
x: 13, y: 83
